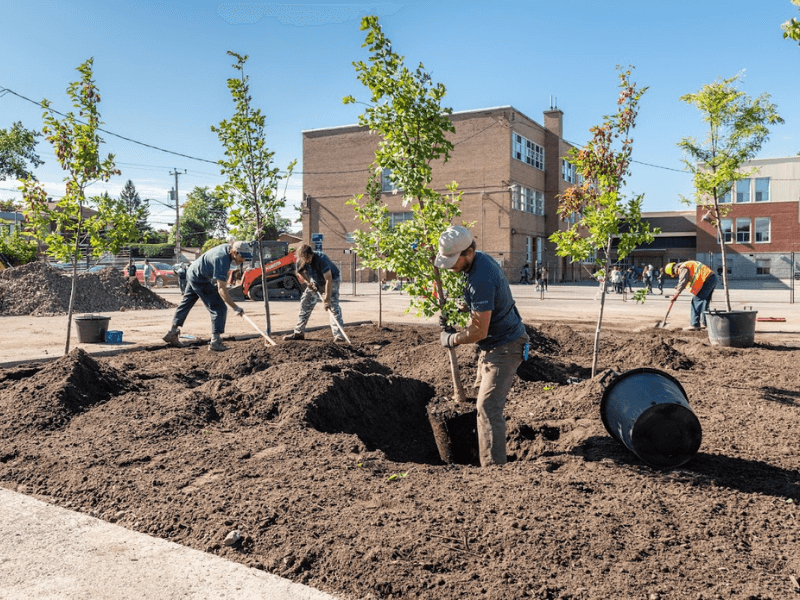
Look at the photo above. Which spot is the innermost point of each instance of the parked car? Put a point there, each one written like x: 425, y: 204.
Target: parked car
x: 164, y: 275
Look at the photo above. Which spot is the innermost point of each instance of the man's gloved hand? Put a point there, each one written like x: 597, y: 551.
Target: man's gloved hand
x: 239, y: 311
x: 326, y: 302
x: 312, y: 287
x: 448, y: 339
x: 461, y: 305
x: 443, y: 323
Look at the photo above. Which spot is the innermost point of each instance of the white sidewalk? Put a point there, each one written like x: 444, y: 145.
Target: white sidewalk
x: 49, y: 553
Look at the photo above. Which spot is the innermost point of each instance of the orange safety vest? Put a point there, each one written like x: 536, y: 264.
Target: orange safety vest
x: 698, y: 273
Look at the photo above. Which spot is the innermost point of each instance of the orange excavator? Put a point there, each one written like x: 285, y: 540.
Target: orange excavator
x: 282, y: 279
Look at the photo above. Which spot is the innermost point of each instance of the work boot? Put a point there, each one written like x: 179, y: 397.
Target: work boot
x: 294, y: 336
x: 172, y: 338
x: 216, y: 345
x: 692, y: 328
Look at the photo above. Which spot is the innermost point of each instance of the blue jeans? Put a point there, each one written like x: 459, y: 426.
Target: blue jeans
x: 205, y: 290
x: 701, y: 301
x: 309, y: 300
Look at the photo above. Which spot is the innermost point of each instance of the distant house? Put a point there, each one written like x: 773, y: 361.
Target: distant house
x: 11, y: 221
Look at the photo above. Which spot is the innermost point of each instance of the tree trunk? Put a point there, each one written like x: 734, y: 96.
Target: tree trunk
x: 606, y: 270
x: 722, y: 252
x: 74, y: 276
x: 264, y: 287
x: 380, y: 300
x: 459, y: 394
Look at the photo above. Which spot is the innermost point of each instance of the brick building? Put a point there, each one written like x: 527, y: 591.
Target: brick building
x: 762, y: 228
x: 508, y: 166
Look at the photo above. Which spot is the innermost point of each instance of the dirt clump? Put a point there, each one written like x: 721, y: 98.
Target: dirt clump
x: 323, y: 456
x: 38, y: 289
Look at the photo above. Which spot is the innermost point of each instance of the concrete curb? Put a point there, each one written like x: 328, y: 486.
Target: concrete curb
x: 48, y: 552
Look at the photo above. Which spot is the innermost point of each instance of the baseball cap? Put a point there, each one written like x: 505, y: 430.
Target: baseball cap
x: 453, y: 241
x: 243, y: 248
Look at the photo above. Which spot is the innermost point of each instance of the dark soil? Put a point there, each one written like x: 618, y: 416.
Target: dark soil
x: 323, y: 457
x: 41, y: 290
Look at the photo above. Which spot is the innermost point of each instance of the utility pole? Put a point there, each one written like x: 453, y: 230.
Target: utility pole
x: 177, y: 216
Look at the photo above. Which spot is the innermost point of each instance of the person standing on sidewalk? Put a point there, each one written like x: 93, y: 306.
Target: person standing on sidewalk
x: 701, y: 282
x: 147, y: 271
x: 319, y: 273
x: 207, y: 280
x: 495, y: 326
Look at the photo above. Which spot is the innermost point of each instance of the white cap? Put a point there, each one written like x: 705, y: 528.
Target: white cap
x: 453, y: 241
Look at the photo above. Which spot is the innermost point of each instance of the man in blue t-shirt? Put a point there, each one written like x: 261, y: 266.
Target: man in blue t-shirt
x: 207, y: 280
x: 495, y: 326
x: 323, y: 279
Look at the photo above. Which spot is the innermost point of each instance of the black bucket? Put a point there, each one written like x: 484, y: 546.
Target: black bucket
x: 736, y: 328
x: 648, y: 412
x: 92, y: 328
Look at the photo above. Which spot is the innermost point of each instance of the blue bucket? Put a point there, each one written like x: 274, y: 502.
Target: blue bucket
x: 647, y: 411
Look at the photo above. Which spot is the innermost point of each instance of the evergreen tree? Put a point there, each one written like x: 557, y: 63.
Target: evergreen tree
x: 136, y: 207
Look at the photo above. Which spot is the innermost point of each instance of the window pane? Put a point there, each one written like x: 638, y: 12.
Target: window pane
x: 743, y: 190
x: 387, y: 185
x: 762, y: 229
x: 762, y: 189
x: 727, y: 230
x: 743, y: 231
x: 725, y: 197
x: 762, y: 266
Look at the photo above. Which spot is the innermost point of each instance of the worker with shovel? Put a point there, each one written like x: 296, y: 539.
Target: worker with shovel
x: 207, y: 280
x: 323, y: 279
x: 701, y: 282
x: 495, y: 326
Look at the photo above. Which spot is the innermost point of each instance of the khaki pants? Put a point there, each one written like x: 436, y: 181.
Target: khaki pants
x: 496, y: 370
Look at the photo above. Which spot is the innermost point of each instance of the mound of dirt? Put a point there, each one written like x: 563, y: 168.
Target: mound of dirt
x: 39, y: 290
x: 323, y: 456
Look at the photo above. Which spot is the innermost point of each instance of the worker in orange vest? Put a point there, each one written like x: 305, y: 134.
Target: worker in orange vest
x: 701, y: 282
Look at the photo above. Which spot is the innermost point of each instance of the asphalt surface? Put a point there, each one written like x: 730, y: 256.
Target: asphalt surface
x: 48, y: 552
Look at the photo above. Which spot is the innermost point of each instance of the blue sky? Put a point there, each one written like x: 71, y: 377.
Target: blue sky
x: 161, y: 68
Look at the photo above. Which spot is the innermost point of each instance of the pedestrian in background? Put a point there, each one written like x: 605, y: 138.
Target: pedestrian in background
x: 147, y: 272
x: 524, y: 274
x: 131, y: 269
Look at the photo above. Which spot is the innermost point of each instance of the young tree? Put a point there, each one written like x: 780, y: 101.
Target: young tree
x: 135, y: 206
x: 251, y: 190
x: 791, y: 28
x: 406, y: 111
x: 17, y: 149
x: 737, y: 128
x: 65, y: 226
x: 597, y: 203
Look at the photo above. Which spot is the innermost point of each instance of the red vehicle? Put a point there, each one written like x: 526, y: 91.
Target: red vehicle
x: 162, y: 274
x: 282, y: 278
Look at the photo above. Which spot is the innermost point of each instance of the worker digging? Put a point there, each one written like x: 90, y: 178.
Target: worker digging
x: 207, y: 280
x: 495, y: 326
x: 323, y: 281
x: 701, y: 282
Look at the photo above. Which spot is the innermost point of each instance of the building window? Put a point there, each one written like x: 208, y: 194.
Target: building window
x: 762, y: 230
x: 568, y: 171
x: 527, y: 200
x: 528, y: 151
x: 387, y: 185
x: 725, y: 197
x: 762, y: 266
x: 528, y: 249
x: 742, y: 231
x: 762, y: 189
x: 743, y: 191
x: 396, y: 218
x: 726, y: 226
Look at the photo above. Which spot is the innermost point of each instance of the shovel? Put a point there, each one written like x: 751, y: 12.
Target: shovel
x: 662, y: 324
x: 258, y: 329
x: 335, y: 320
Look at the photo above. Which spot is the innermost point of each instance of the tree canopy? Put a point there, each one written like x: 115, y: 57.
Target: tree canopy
x: 17, y: 150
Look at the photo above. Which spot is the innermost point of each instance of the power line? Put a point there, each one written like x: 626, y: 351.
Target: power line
x: 122, y: 137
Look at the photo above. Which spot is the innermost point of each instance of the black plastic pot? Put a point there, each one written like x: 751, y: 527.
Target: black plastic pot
x: 91, y: 328
x: 647, y: 411
x: 736, y: 328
